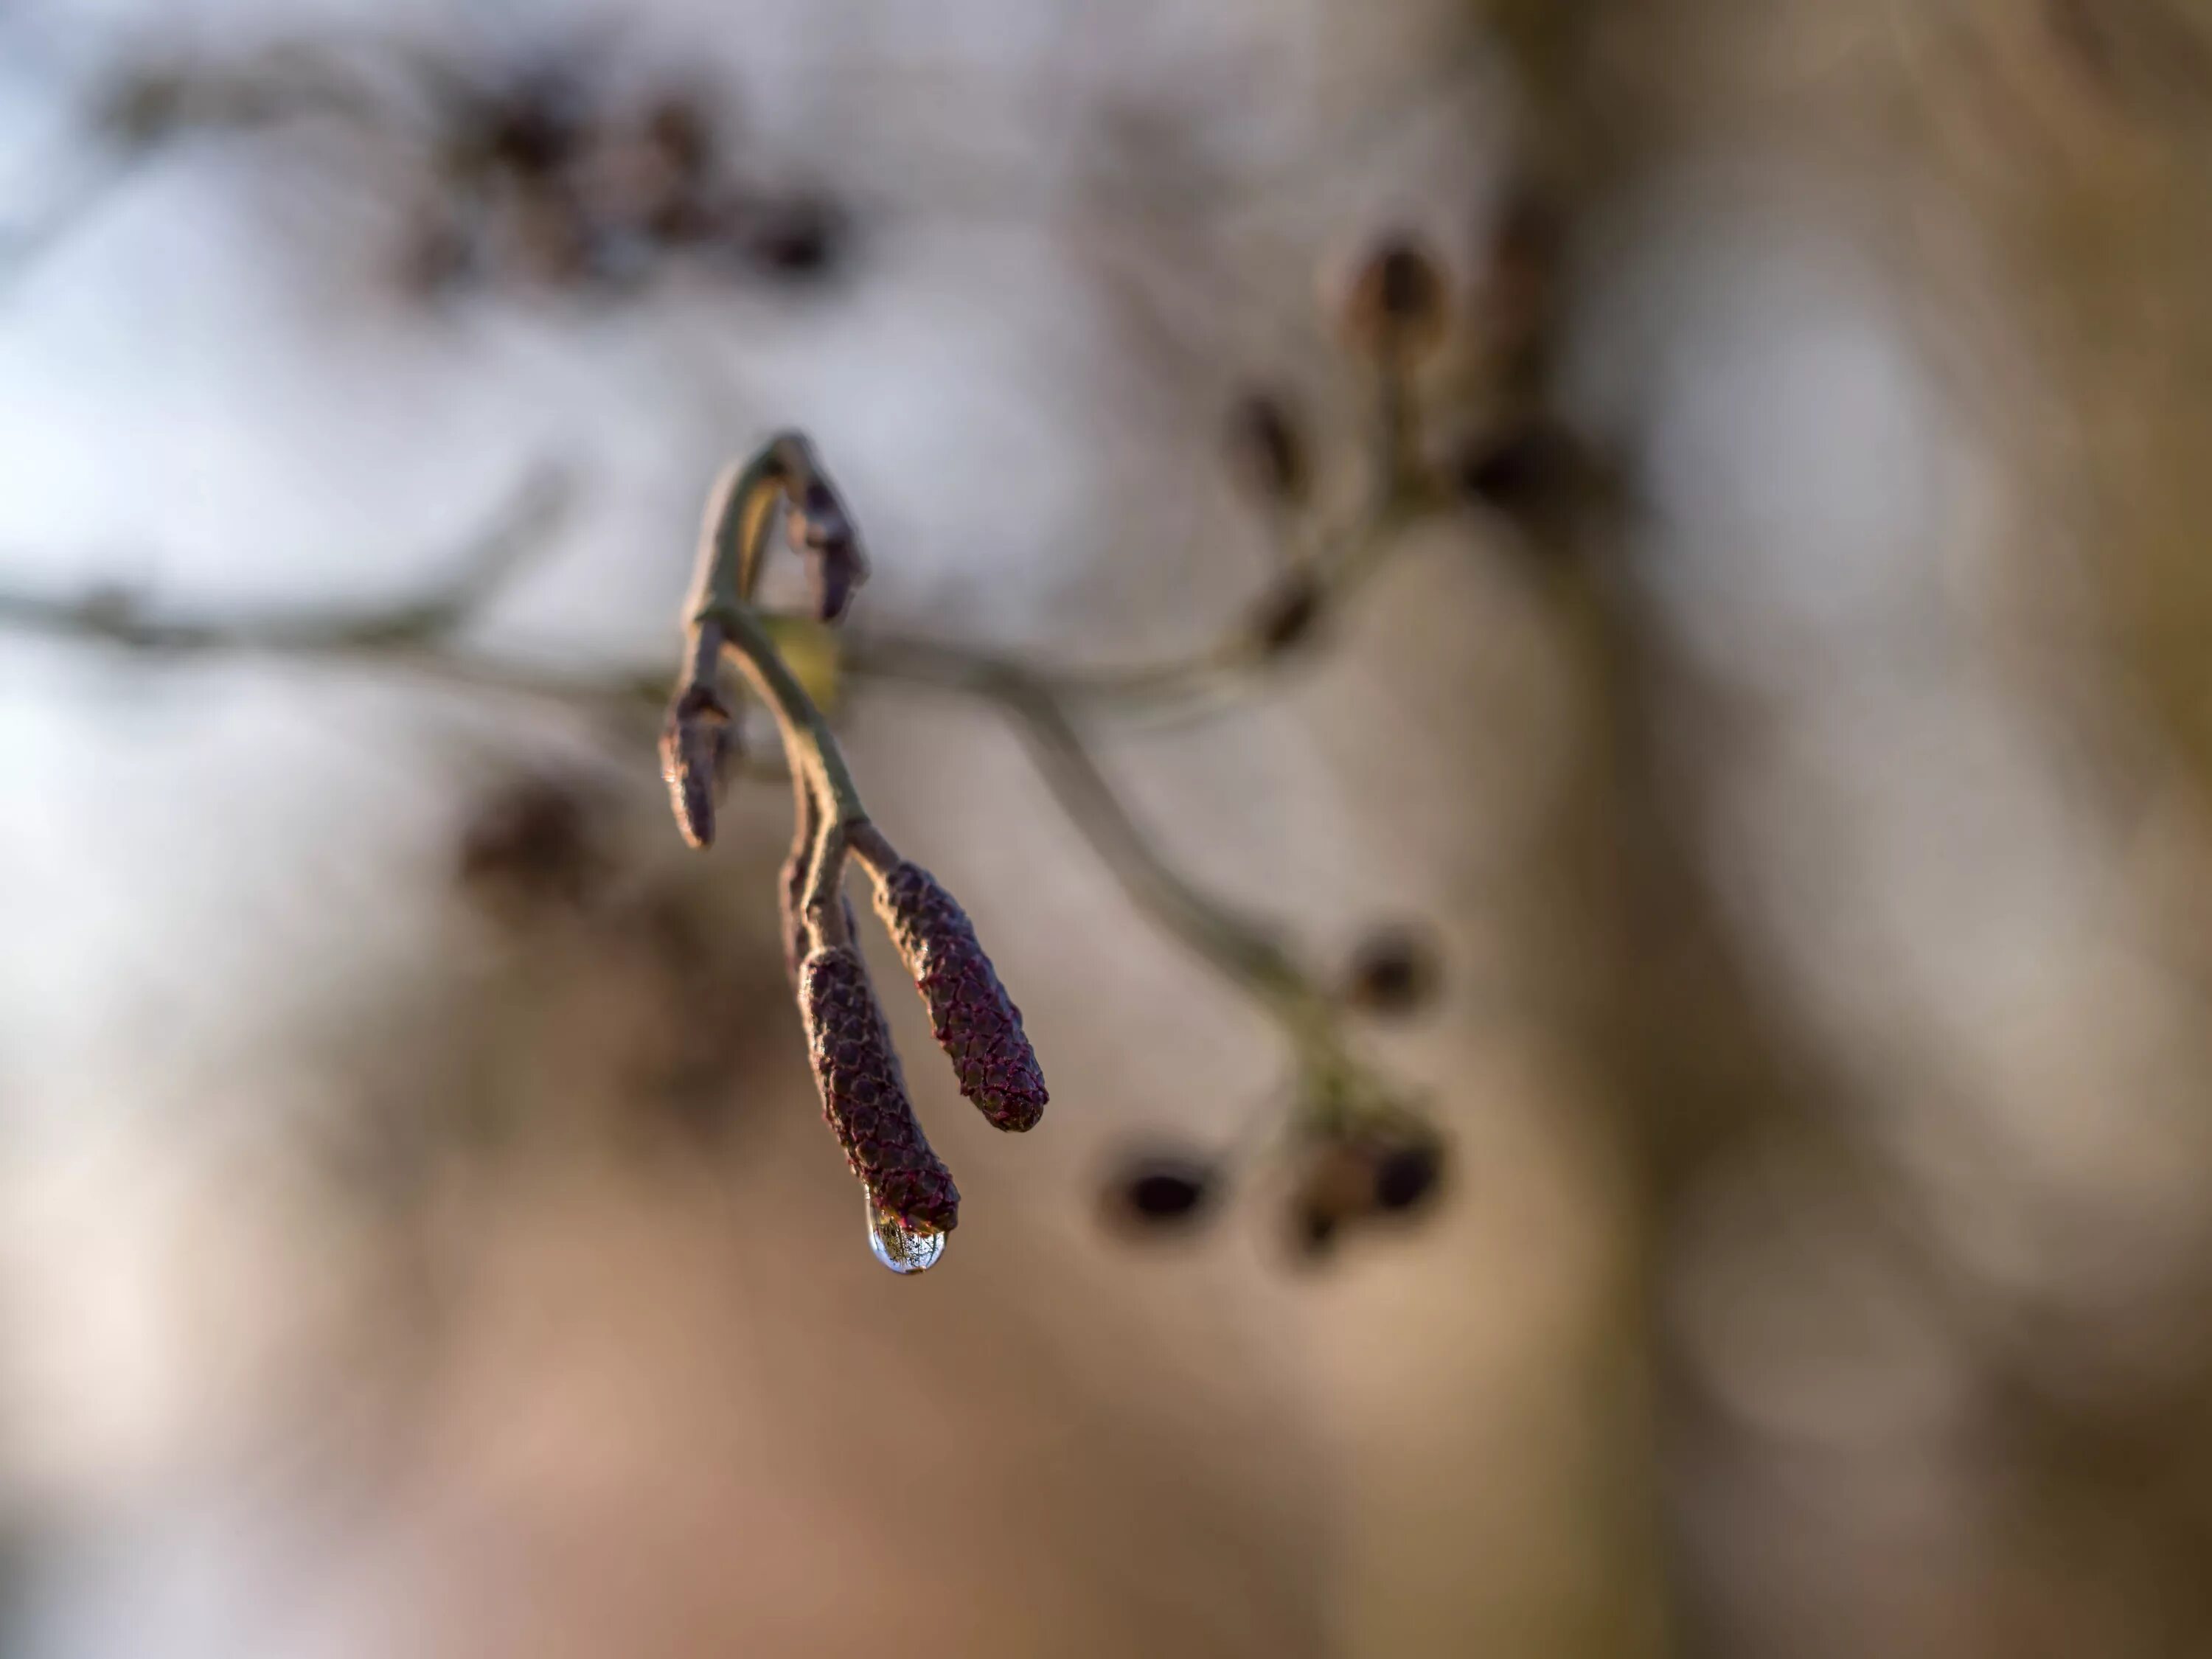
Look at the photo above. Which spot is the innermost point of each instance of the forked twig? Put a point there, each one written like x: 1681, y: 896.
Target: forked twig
x: 911, y: 1199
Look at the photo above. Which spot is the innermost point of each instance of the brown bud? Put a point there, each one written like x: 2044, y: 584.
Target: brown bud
x: 1351, y: 1174
x: 534, y: 127
x: 1314, y: 1232
x: 1515, y: 293
x: 697, y: 741
x: 795, y: 239
x: 680, y: 126
x: 976, y: 1022
x: 1393, y: 971
x: 1517, y: 469
x: 1408, y: 1175
x: 834, y: 563
x: 864, y: 1094
x: 1339, y: 1177
x: 534, y: 841
x: 1267, y: 451
x: 1164, y: 1191
x: 1539, y: 477
x: 820, y: 528
x: 1288, y: 613
x: 1395, y: 309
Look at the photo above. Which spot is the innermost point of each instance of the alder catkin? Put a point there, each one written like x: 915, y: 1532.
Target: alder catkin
x: 977, y: 1024
x: 864, y: 1095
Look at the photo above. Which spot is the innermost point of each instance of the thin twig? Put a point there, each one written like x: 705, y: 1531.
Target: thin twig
x: 418, y: 635
x: 1246, y: 951
x: 719, y: 620
x: 524, y: 528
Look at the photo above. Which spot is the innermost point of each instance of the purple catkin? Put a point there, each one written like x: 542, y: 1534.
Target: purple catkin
x: 977, y: 1024
x: 864, y: 1095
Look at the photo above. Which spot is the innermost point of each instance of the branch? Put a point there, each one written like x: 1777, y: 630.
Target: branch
x: 1247, y: 952
x: 418, y: 627
x: 418, y: 635
x: 698, y: 744
x: 1286, y: 614
x: 697, y: 738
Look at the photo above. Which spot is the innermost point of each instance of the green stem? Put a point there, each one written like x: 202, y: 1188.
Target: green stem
x: 740, y: 510
x: 739, y: 517
x: 805, y: 730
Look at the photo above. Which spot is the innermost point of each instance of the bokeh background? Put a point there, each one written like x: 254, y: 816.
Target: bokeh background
x: 1789, y: 735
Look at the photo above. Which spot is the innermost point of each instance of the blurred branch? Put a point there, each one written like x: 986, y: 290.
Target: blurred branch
x: 719, y: 620
x: 419, y: 630
x: 420, y: 635
x: 1247, y: 952
x: 1287, y: 614
x: 1394, y: 316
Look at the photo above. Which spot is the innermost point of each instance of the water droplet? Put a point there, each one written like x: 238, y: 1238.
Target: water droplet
x: 902, y: 1249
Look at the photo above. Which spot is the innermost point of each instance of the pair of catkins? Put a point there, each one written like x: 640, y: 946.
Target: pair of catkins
x: 912, y: 1201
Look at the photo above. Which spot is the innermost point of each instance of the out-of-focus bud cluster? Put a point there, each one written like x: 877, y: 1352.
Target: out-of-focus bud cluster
x: 542, y: 177
x: 1357, y: 1173
x: 1395, y: 971
x: 1397, y: 309
x: 1523, y: 463
x: 534, y: 842
x: 1345, y: 1171
x: 1355, y: 1153
x: 540, y: 858
x: 1394, y: 312
x: 544, y: 181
